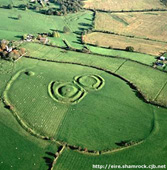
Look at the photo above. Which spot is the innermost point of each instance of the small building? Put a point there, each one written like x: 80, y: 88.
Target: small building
x: 29, y: 37
x: 8, y: 49
x: 162, y: 58
x: 44, y: 40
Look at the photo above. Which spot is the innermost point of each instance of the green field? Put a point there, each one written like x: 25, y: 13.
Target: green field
x: 63, y: 108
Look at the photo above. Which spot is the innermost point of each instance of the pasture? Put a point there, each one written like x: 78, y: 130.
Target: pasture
x: 20, y: 150
x: 66, y: 109
x: 149, y: 151
x: 144, y: 77
x: 63, y: 118
x: 32, y: 22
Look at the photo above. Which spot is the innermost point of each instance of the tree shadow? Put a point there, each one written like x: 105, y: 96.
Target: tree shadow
x: 122, y: 143
x: 85, y: 25
x: 18, y: 36
x: 87, y: 19
x: 57, y: 31
x: 49, y: 158
x: 48, y: 162
x: 14, y: 18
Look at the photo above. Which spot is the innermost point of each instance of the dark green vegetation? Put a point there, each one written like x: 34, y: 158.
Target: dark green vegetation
x: 67, y: 6
x: 67, y: 105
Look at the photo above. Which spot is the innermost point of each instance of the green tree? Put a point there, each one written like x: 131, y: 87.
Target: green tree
x: 10, y: 6
x: 66, y: 29
x: 55, y: 34
x: 129, y: 48
x: 24, y: 37
x: 19, y: 17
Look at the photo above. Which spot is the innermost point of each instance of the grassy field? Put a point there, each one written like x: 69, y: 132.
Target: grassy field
x: 33, y: 23
x: 63, y: 109
x: 147, y: 79
x: 121, y: 42
x: 149, y: 152
x: 114, y: 5
x: 142, y: 58
x: 63, y: 119
x: 144, y: 25
x: 17, y: 146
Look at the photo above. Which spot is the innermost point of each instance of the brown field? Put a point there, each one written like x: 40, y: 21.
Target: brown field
x: 151, y: 25
x: 121, y: 42
x: 118, y: 5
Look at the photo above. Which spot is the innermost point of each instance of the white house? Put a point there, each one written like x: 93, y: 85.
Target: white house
x: 162, y: 58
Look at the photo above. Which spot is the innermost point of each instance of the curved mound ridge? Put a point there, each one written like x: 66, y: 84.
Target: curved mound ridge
x: 90, y: 82
x: 66, y: 92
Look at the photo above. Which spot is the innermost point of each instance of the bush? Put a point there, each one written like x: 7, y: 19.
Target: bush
x: 66, y: 29
x: 130, y: 49
x: 19, y: 16
x: 24, y: 37
x: 55, y: 34
x: 10, y: 6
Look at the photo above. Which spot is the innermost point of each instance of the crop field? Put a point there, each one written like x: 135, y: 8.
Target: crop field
x: 121, y: 42
x: 128, y: 5
x: 150, y: 25
x: 70, y: 105
x: 139, y: 30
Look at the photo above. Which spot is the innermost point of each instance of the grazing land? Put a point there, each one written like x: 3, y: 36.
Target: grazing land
x: 81, y: 88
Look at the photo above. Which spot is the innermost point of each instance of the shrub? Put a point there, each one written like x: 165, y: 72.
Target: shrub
x: 19, y: 16
x: 10, y: 6
x: 55, y: 34
x: 129, y: 48
x: 66, y: 29
x: 24, y: 37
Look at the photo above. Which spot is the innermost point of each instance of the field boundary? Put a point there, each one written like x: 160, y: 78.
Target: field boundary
x: 129, y: 36
x: 121, y: 65
x: 107, y: 56
x: 125, y: 11
x: 160, y: 91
